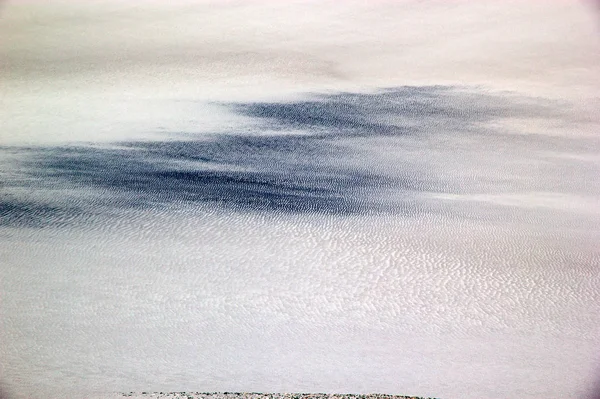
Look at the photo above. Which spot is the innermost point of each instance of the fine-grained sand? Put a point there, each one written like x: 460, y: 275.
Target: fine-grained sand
x: 276, y: 196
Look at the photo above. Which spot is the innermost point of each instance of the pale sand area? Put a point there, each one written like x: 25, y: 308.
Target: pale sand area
x: 106, y: 70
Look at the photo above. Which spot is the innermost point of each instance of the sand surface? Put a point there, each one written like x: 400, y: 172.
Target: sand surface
x: 300, y: 196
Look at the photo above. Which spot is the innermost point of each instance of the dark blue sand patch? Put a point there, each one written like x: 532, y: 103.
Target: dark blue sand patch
x: 241, y: 173
x: 15, y: 213
x: 397, y: 111
x: 279, y: 172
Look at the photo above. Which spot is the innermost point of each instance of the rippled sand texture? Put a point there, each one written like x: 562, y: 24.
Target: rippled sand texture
x: 376, y: 234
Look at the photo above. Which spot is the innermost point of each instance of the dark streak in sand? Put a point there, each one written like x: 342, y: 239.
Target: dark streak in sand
x: 282, y: 172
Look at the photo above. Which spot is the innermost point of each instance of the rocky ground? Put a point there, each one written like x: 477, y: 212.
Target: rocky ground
x: 245, y: 395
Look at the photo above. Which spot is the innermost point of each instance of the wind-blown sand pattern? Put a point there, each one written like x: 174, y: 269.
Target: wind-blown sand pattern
x: 397, y: 197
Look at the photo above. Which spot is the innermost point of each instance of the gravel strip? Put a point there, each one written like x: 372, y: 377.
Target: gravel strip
x: 253, y: 395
